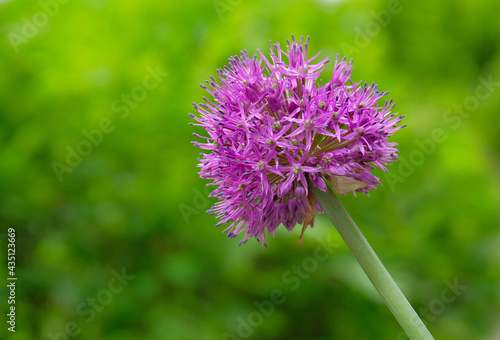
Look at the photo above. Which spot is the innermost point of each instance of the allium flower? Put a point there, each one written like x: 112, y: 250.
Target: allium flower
x: 271, y: 124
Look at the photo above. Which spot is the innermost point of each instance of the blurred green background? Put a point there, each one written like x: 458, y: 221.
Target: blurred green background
x: 97, y: 173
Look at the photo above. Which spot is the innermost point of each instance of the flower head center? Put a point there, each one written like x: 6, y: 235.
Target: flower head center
x: 297, y: 170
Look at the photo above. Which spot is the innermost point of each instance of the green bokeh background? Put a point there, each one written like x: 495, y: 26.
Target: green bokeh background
x: 136, y: 202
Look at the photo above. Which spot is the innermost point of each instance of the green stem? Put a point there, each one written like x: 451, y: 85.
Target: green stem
x: 374, y: 269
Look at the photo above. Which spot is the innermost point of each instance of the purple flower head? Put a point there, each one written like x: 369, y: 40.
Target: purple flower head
x: 272, y: 124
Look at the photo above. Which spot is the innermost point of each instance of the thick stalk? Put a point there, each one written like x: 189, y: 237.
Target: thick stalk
x: 374, y: 269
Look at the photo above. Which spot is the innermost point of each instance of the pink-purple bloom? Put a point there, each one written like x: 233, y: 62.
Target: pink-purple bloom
x: 272, y: 125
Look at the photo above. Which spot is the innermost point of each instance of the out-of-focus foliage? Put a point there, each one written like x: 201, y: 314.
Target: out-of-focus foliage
x: 134, y: 200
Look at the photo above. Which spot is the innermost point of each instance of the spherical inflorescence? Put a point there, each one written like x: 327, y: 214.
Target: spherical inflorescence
x: 272, y: 125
